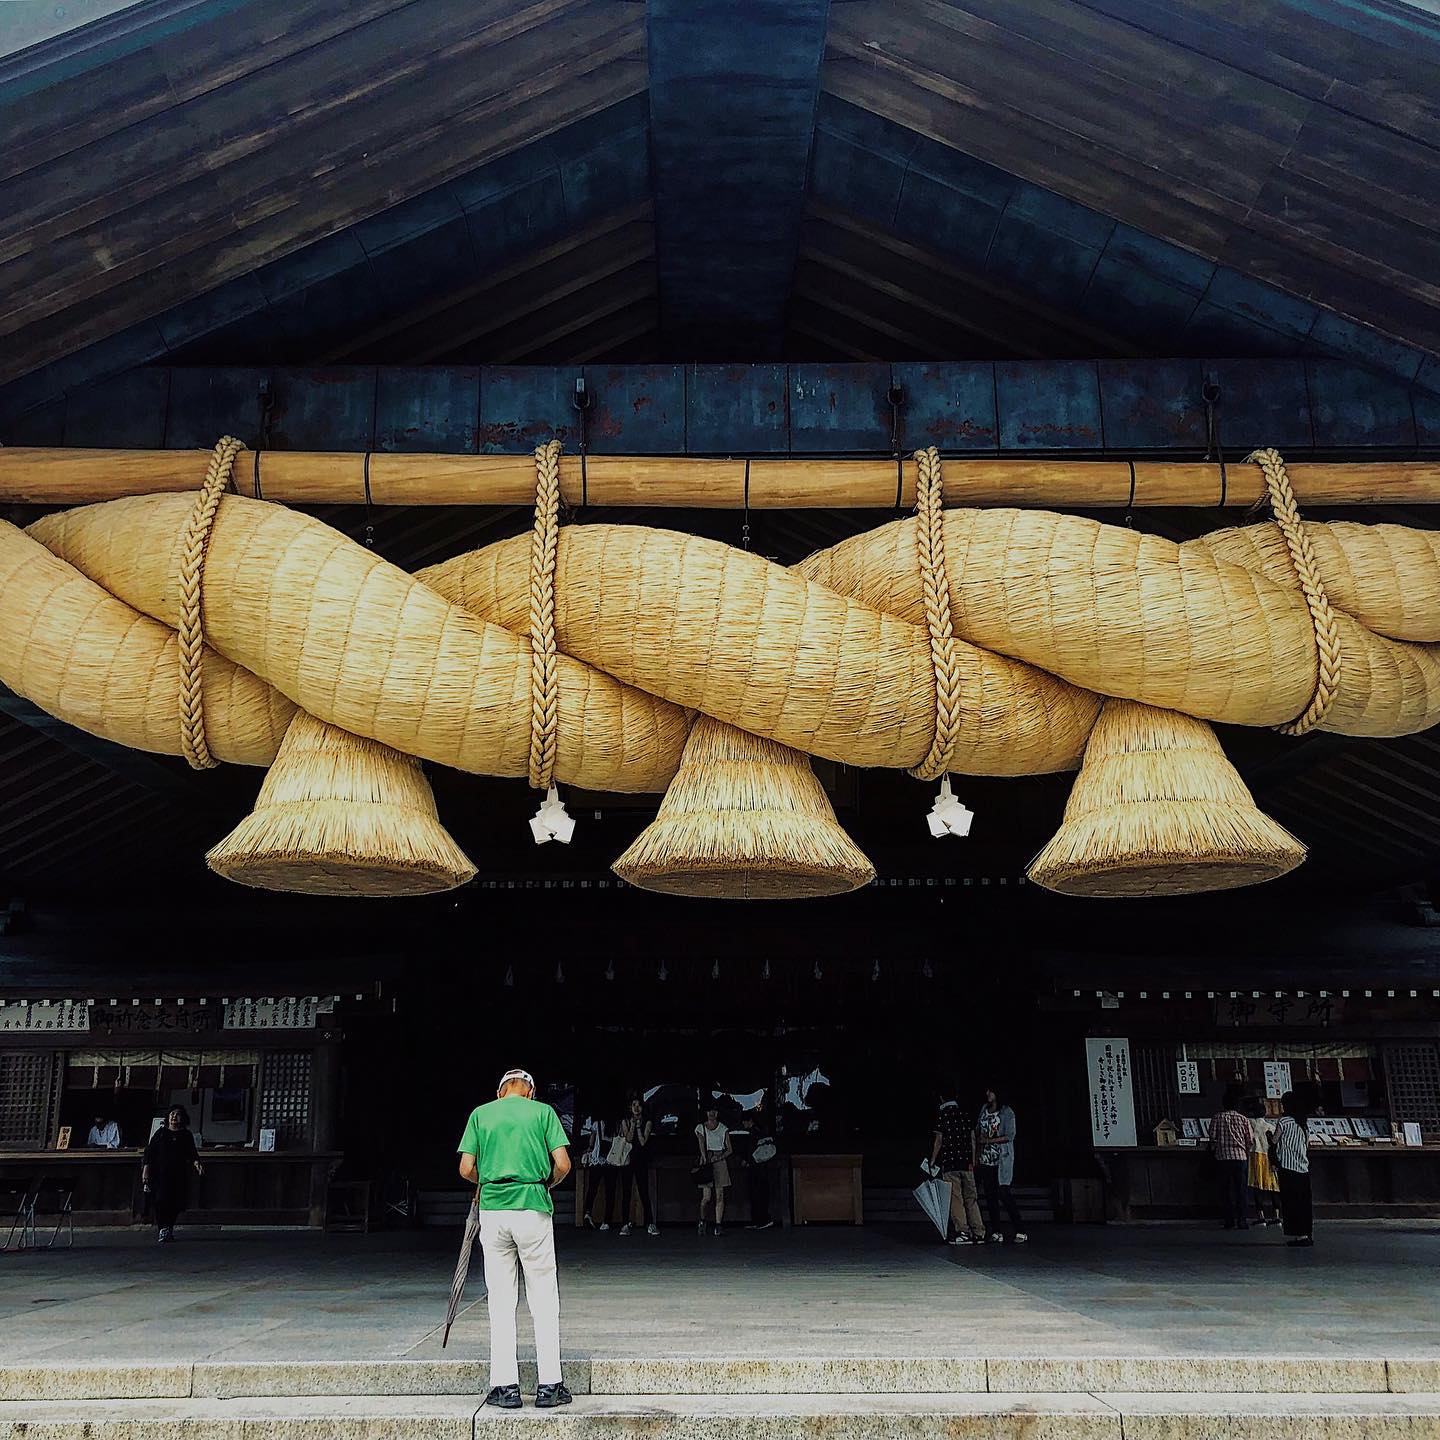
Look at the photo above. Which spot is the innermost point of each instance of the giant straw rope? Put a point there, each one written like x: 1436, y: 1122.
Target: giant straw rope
x: 976, y: 641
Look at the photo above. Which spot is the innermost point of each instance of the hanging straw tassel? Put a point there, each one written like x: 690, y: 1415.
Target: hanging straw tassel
x: 341, y: 815
x: 1157, y: 809
x: 744, y: 819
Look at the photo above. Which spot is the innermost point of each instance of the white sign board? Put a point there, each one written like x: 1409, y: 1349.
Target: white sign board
x: 1187, y: 1077
x: 1277, y: 1079
x: 31, y: 1016
x: 267, y: 1140
x: 291, y: 1013
x: 1112, y: 1094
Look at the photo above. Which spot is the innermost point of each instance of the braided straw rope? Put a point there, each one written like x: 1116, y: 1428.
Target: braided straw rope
x: 930, y: 543
x: 832, y: 657
x: 1307, y: 571
x: 191, y: 629
x: 544, y: 678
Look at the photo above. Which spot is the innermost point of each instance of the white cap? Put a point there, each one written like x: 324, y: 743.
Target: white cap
x: 510, y: 1075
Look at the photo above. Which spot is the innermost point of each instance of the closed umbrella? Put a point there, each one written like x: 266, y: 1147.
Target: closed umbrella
x: 934, y: 1199
x: 462, y: 1266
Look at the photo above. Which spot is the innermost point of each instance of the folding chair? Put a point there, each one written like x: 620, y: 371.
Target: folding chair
x: 53, y: 1200
x: 398, y: 1197
x: 15, y: 1199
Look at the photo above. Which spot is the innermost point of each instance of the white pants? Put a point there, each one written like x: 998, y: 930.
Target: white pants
x: 515, y: 1240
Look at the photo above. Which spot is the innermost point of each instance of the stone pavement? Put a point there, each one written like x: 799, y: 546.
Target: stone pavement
x: 1368, y: 1289
x: 1164, y: 1333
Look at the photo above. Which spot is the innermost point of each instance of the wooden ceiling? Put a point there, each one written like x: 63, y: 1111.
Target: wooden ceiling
x: 1296, y: 143
x: 179, y: 165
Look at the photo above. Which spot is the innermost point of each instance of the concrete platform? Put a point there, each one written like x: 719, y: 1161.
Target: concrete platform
x: 225, y: 1330
x: 1116, y: 1416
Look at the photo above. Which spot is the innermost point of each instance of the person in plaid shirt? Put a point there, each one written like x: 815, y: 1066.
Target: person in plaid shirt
x: 1232, y: 1138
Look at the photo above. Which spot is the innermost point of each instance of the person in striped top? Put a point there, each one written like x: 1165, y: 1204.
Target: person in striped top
x: 1232, y: 1140
x: 1291, y: 1152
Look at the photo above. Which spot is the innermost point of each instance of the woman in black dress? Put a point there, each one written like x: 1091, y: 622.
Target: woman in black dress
x: 169, y: 1158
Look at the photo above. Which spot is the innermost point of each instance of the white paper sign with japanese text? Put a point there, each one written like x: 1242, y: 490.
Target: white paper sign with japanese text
x: 1112, y: 1093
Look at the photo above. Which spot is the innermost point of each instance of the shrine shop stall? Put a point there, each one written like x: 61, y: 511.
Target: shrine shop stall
x: 86, y: 1080
x: 1364, y: 1064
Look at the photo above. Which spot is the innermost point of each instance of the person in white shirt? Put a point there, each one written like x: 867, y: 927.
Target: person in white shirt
x: 104, y: 1134
x: 713, y: 1175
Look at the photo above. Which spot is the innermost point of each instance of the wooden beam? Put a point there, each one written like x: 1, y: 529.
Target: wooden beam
x: 73, y: 477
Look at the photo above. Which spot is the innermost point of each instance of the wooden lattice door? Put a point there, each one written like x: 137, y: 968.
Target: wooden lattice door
x: 1412, y: 1076
x: 29, y: 1093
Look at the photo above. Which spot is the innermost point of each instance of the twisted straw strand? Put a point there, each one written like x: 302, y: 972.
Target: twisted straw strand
x: 930, y: 542
x: 1307, y: 570
x: 544, y: 671
x: 191, y: 633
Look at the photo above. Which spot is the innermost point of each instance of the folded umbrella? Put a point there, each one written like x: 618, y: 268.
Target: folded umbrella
x: 934, y: 1199
x: 462, y: 1266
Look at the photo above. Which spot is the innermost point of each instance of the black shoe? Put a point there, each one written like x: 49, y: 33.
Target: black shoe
x: 547, y: 1397
x: 1304, y: 1240
x: 507, y: 1397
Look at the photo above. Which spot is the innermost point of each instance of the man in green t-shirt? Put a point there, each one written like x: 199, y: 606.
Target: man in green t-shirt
x: 516, y: 1151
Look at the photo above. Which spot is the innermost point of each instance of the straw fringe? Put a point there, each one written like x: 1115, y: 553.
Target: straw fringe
x: 744, y: 818
x: 1158, y: 809
x: 341, y: 815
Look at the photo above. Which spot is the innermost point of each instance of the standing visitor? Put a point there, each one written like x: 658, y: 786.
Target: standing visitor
x: 995, y: 1136
x: 1264, y: 1186
x: 1291, y: 1151
x: 758, y: 1162
x: 1231, y: 1138
x: 515, y: 1150
x: 952, y: 1148
x: 713, y: 1172
x: 599, y: 1167
x: 165, y: 1172
x: 639, y: 1130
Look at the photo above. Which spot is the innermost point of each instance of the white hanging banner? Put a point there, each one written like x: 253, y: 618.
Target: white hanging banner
x: 1112, y: 1093
x: 30, y: 1016
x: 289, y: 1013
x: 1187, y: 1077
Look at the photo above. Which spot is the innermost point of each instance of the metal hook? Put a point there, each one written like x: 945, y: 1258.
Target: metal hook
x: 896, y: 396
x: 745, y: 524
x: 369, y: 508
x: 1130, y: 503
x: 582, y: 401
x: 1210, y: 393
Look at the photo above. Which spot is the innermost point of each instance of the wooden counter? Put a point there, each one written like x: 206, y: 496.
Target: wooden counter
x: 239, y: 1187
x: 1157, y: 1182
x: 827, y: 1188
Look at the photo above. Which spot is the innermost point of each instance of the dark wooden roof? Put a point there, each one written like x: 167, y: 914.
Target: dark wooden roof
x: 703, y: 181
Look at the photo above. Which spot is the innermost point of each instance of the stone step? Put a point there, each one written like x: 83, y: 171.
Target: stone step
x: 719, y: 1375
x: 1057, y: 1416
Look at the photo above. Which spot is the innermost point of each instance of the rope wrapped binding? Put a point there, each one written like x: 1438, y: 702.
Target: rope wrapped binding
x: 930, y: 543
x: 544, y: 678
x: 1307, y: 570
x: 191, y: 630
